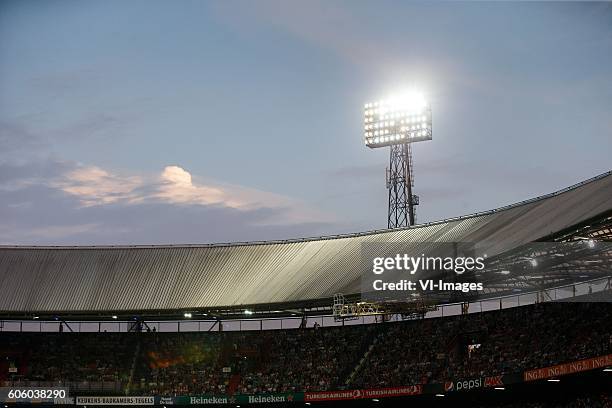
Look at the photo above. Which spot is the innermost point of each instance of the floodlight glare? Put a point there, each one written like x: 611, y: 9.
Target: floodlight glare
x: 408, y: 101
x: 389, y: 114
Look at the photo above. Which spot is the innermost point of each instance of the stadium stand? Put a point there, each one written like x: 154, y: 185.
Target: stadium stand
x: 506, y: 341
x: 404, y: 353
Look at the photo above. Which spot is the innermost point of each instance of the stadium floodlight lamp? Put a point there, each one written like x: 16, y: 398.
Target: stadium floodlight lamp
x: 114, y: 317
x: 187, y: 315
x: 35, y: 317
x: 399, y: 119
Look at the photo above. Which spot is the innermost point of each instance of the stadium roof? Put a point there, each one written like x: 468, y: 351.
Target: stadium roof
x: 149, y: 279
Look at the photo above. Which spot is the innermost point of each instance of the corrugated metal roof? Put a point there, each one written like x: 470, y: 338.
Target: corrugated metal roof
x: 89, y: 279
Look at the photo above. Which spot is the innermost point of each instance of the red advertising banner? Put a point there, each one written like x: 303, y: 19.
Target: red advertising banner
x: 568, y: 368
x: 331, y: 395
x: 495, y: 381
x: 369, y: 393
x: 393, y: 392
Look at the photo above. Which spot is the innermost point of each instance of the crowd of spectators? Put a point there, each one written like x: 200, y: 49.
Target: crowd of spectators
x: 305, y: 360
x: 258, y: 362
x: 524, y: 338
x: 180, y: 364
x: 405, y: 353
x: 479, y: 344
x: 64, y: 357
x: 395, y: 354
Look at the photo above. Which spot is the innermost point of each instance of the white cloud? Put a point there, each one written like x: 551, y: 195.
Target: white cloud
x: 94, y: 186
x: 176, y: 186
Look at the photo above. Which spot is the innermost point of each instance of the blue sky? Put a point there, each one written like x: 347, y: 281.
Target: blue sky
x: 193, y: 121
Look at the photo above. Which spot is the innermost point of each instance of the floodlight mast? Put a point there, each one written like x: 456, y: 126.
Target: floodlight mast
x: 401, y: 211
x: 397, y: 123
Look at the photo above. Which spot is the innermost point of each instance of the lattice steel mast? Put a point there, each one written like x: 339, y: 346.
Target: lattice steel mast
x: 400, y: 181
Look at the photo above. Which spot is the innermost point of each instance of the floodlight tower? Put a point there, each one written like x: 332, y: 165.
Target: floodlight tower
x: 398, y: 122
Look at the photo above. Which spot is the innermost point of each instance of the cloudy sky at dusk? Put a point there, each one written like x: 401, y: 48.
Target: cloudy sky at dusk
x: 144, y: 122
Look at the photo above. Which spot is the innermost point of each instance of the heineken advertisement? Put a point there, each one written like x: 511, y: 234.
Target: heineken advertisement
x: 234, y: 399
x: 268, y: 398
